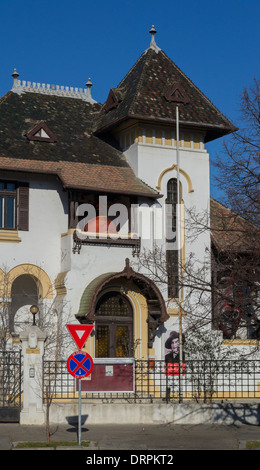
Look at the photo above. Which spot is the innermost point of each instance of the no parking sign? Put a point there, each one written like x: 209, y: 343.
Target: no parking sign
x: 80, y: 364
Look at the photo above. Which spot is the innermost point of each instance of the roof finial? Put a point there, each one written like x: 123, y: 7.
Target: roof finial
x: 15, y: 75
x: 153, y: 44
x: 89, y: 84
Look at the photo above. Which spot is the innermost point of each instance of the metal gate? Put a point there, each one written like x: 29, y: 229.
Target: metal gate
x: 10, y: 386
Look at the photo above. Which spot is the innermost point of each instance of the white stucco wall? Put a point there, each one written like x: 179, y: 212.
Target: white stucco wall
x: 47, y: 220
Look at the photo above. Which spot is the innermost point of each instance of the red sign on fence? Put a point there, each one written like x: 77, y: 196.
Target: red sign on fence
x: 173, y: 368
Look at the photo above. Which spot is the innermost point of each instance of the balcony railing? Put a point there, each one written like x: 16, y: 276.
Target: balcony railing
x: 132, y: 240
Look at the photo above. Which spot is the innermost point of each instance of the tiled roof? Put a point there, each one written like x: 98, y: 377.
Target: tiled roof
x: 77, y: 153
x: 101, y: 178
x: 141, y: 94
x: 231, y: 232
x: 80, y: 159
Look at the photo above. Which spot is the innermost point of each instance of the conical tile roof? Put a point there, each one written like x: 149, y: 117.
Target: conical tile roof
x: 152, y: 89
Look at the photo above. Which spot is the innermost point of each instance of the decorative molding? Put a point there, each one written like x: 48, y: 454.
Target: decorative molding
x: 156, y: 314
x: 60, y: 285
x: 9, y: 236
x: 175, y: 93
x: 22, y: 86
x: 240, y: 342
x: 174, y: 311
x: 183, y: 172
x: 39, y: 275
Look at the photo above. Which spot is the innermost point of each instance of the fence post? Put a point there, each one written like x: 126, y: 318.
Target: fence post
x: 32, y: 350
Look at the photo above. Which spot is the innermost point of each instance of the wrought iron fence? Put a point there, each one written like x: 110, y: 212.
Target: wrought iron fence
x: 10, y: 379
x: 156, y: 380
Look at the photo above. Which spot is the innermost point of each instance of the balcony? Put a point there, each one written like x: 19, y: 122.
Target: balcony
x: 104, y: 239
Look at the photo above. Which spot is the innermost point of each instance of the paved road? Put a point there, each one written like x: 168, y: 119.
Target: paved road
x: 138, y: 437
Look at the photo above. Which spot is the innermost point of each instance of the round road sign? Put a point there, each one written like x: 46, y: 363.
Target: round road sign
x: 80, y: 364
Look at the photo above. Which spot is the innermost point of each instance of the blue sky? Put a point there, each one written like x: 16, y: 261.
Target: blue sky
x: 216, y: 43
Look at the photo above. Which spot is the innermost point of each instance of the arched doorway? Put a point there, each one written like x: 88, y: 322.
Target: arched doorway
x: 114, y: 326
x: 151, y: 314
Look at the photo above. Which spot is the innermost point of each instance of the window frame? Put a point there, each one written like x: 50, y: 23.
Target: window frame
x: 5, y: 193
x: 172, y: 256
x: 21, y: 205
x: 112, y: 321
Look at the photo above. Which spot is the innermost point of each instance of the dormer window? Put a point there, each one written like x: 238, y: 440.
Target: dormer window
x: 115, y: 97
x: 42, y: 133
x: 175, y: 93
x: 112, y: 101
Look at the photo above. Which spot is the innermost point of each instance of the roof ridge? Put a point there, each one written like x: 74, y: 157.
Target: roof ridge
x: 133, y: 66
x: 121, y: 83
x: 146, y: 53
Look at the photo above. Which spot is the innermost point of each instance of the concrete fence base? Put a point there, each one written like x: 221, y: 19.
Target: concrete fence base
x: 184, y: 413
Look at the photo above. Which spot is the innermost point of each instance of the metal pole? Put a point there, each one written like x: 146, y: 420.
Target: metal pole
x: 178, y: 227
x: 79, y: 415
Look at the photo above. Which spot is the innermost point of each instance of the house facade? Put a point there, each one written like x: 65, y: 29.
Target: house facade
x: 87, y: 189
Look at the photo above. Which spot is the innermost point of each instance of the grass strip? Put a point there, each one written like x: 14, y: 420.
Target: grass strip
x: 30, y: 445
x: 253, y: 445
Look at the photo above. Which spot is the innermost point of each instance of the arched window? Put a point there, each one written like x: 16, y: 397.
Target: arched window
x: 172, y: 255
x: 24, y: 294
x: 114, y: 326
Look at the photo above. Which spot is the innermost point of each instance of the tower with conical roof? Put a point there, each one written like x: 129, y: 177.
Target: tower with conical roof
x: 141, y: 114
x: 142, y: 109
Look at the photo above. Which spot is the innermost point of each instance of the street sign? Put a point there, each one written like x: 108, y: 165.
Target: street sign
x: 80, y: 364
x: 80, y: 333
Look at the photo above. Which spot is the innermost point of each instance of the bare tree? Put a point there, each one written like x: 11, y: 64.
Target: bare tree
x: 239, y: 165
x: 237, y: 264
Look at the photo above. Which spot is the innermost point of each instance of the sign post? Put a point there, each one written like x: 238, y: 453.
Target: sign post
x: 79, y: 415
x: 80, y: 363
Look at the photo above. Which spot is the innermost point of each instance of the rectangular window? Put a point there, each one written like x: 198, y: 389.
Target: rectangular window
x: 14, y: 205
x: 7, y: 205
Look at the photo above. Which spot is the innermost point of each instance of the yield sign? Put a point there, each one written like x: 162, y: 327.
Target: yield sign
x: 80, y: 333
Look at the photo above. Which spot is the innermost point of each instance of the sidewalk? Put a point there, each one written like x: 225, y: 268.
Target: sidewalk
x: 137, y: 437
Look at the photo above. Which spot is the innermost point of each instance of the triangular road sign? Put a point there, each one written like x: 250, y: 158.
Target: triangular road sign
x: 80, y: 333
